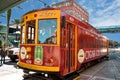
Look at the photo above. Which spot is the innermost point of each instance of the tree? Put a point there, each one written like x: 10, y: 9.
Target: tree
x: 17, y: 22
x: 8, y: 21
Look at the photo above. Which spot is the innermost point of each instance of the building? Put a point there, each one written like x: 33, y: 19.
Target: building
x: 13, y: 36
x: 74, y: 9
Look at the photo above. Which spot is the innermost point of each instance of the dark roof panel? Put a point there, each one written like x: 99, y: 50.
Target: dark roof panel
x: 7, y: 4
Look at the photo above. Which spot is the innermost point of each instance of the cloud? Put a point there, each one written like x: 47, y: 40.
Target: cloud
x: 106, y: 14
x: 110, y: 8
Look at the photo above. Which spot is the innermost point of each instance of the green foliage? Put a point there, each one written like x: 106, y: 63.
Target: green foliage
x: 16, y: 21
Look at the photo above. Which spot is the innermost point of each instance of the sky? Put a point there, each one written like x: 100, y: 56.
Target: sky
x: 101, y: 12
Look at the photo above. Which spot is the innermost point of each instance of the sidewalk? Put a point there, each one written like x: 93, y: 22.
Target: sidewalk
x: 6, y: 59
x: 9, y: 72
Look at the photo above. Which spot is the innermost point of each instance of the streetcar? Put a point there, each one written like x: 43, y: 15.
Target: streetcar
x: 53, y: 41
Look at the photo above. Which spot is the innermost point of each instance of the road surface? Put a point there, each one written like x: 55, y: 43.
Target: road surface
x: 106, y: 70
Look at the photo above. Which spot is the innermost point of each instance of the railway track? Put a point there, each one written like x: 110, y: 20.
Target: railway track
x: 73, y: 76
x: 39, y: 76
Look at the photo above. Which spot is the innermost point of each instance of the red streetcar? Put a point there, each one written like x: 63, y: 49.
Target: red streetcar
x: 52, y: 41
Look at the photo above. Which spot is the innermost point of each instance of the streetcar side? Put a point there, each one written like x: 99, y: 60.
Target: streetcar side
x: 81, y: 45
x: 92, y: 46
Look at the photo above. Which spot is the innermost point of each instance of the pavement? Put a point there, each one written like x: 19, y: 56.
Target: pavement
x: 9, y: 71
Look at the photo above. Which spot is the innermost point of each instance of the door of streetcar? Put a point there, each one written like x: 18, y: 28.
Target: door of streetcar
x: 68, y: 47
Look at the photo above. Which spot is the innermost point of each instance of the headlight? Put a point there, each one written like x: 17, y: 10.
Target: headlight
x: 28, y: 56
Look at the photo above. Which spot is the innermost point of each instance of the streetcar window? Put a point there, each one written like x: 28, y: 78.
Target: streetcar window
x: 22, y: 35
x: 31, y: 32
x: 47, y: 31
x: 63, y: 21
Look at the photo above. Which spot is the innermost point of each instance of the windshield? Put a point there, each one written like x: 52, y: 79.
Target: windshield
x: 47, y: 31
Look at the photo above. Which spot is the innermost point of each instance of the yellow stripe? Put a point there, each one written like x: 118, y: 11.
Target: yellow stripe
x: 39, y: 68
x: 77, y: 78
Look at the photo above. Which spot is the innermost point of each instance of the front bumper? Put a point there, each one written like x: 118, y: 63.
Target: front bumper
x: 38, y: 68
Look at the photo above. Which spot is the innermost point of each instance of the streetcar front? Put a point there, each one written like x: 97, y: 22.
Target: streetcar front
x: 40, y: 41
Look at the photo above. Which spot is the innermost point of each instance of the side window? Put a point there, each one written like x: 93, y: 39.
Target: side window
x: 82, y: 37
x: 22, y: 34
x: 30, y: 32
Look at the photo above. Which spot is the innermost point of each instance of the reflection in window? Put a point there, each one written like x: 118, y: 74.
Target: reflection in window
x: 47, y: 31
